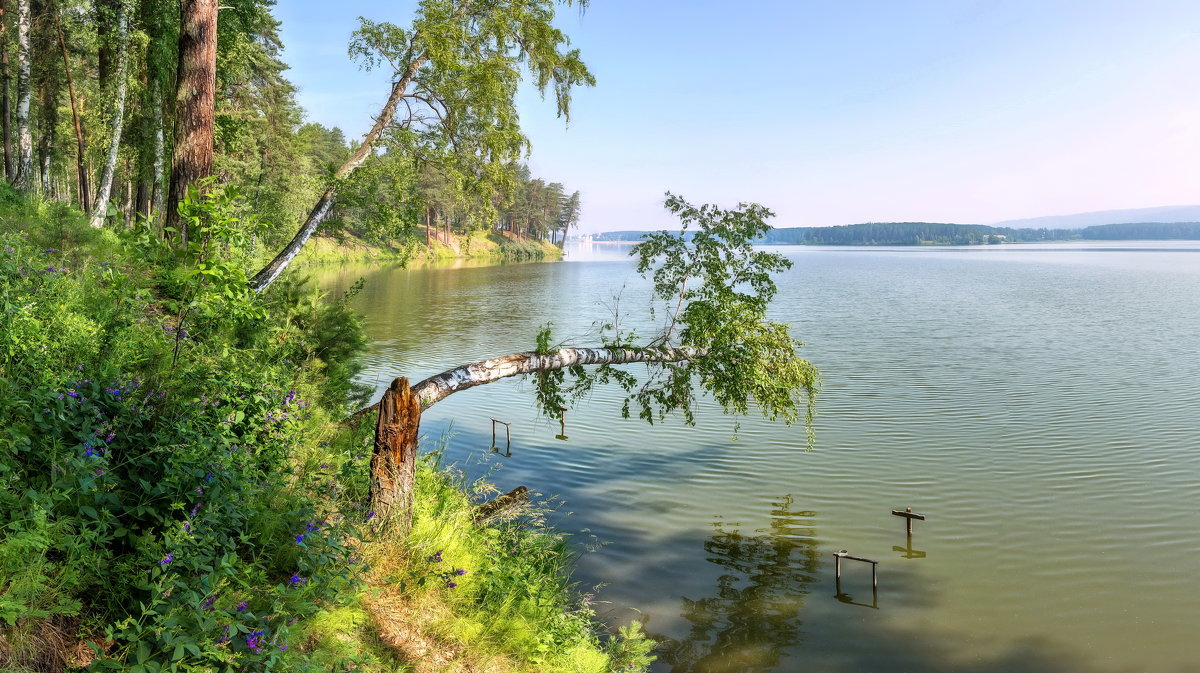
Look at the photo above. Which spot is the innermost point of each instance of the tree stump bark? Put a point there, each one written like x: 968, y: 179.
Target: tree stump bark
x: 394, y: 461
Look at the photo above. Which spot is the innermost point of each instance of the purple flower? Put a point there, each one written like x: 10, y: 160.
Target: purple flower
x: 195, y: 510
x: 283, y: 648
x: 187, y: 527
x: 370, y: 515
x: 167, y: 559
x: 254, y: 641
x: 207, y: 605
x: 72, y: 393
x: 311, y: 527
x: 451, y: 585
x: 436, y: 558
x: 300, y: 538
x: 242, y: 606
x: 296, y: 580
x: 460, y: 571
x: 111, y: 436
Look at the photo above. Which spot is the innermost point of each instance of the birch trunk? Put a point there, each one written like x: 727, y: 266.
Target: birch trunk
x: 194, y: 103
x: 6, y: 83
x: 104, y: 189
x: 23, y: 177
x: 160, y: 150
x: 393, y: 463
x: 271, y: 271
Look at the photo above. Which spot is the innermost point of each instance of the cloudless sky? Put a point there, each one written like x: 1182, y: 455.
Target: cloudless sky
x: 838, y: 112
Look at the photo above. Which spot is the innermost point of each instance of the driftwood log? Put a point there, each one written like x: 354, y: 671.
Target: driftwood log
x: 499, y: 505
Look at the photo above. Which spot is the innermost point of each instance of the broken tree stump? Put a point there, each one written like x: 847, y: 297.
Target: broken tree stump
x: 394, y: 460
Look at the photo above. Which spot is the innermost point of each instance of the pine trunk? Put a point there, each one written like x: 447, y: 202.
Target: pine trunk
x: 194, y: 103
x: 23, y: 178
x: 81, y: 178
x: 104, y: 189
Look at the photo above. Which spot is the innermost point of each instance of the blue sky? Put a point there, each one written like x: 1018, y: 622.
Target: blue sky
x: 839, y: 112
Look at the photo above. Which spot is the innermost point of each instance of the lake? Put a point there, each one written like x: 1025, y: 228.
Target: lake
x: 1037, y: 403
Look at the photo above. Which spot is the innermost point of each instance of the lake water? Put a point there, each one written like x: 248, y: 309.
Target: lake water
x: 1037, y: 403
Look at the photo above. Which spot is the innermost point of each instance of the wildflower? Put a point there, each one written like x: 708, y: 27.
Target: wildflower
x: 451, y: 585
x: 200, y: 490
x: 207, y: 605
x: 300, y: 538
x: 283, y: 648
x: 72, y: 393
x: 187, y: 527
x: 254, y: 641
x: 167, y: 559
x: 436, y: 558
x: 111, y: 436
x: 370, y: 515
x: 195, y: 510
x: 99, y: 473
x: 296, y: 580
x: 312, y: 526
x: 460, y: 571
x: 242, y: 606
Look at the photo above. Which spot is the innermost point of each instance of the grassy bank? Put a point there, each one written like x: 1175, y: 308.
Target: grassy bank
x: 177, y: 490
x: 491, y: 245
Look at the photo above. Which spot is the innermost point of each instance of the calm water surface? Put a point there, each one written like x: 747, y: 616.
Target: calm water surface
x: 1038, y: 404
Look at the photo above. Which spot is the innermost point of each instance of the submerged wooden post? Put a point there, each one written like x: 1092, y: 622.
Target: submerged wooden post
x: 394, y: 461
x: 909, y: 515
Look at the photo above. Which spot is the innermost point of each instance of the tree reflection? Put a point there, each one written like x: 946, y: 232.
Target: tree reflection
x: 755, y: 614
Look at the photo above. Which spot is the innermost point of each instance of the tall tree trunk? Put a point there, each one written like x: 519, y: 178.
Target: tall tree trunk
x: 48, y: 125
x: 160, y: 151
x: 23, y: 178
x: 6, y: 83
x: 427, y: 228
x: 271, y: 271
x: 195, y: 103
x: 80, y: 145
x: 104, y: 189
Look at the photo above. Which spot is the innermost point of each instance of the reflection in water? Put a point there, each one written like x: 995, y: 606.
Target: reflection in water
x: 755, y: 614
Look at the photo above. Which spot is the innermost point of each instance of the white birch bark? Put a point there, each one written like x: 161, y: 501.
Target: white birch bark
x: 23, y: 180
x: 104, y: 189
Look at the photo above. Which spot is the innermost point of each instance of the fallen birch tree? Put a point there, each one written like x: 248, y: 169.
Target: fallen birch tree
x: 716, y: 337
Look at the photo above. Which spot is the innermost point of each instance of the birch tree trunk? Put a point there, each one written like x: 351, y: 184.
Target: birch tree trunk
x: 195, y: 101
x: 104, y: 189
x: 271, y: 271
x: 6, y: 83
x: 23, y: 177
x: 393, y: 464
x: 160, y: 150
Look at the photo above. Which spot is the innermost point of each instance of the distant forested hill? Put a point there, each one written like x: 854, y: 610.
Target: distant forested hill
x: 938, y: 233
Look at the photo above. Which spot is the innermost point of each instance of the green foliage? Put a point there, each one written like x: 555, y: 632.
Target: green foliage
x: 178, y: 510
x: 715, y: 288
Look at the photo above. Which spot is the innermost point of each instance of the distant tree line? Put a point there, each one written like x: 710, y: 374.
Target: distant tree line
x: 937, y: 233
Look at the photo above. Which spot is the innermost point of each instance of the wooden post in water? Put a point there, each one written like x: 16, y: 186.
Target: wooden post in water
x: 909, y: 515
x: 394, y: 461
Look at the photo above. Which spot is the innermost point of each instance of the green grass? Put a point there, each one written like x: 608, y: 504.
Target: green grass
x: 502, y: 588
